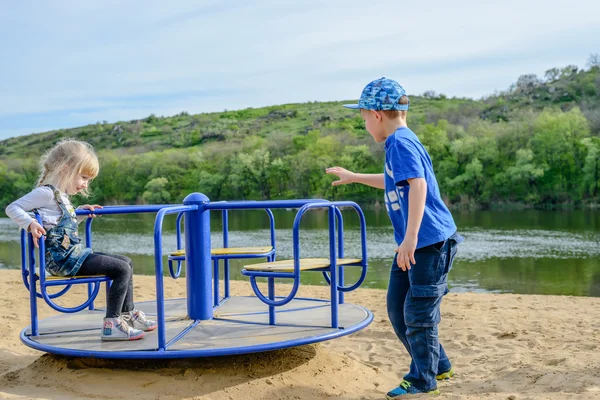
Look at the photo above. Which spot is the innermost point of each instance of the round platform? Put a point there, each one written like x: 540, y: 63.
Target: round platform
x: 240, y: 325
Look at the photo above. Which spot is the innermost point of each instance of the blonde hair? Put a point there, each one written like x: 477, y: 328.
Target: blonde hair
x: 61, y: 164
x: 393, y: 114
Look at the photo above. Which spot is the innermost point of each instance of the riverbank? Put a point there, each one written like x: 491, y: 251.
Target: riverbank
x: 502, y: 345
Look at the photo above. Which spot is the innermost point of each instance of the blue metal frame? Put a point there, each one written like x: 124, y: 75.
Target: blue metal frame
x: 269, y: 255
x: 195, y: 226
x: 154, y: 354
x: 200, y: 302
x: 338, y: 287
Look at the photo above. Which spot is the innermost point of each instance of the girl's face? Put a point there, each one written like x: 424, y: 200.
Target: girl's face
x: 79, y: 183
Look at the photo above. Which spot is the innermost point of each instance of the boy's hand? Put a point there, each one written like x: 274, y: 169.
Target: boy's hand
x: 36, y: 231
x: 91, y: 208
x: 342, y: 173
x: 406, y: 253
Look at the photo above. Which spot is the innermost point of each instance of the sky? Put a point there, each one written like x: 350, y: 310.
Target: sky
x: 65, y: 64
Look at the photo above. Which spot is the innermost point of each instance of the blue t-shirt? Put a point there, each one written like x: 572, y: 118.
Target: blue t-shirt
x: 406, y: 158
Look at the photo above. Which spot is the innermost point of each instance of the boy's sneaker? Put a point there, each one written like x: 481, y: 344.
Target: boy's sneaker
x: 118, y: 329
x: 407, y: 388
x: 137, y: 320
x: 445, y: 375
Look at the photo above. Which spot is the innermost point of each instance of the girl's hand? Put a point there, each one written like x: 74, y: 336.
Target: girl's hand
x: 406, y: 253
x: 91, y: 208
x: 36, y: 231
x: 342, y: 173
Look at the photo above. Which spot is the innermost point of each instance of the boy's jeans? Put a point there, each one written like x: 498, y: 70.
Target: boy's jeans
x: 413, y: 303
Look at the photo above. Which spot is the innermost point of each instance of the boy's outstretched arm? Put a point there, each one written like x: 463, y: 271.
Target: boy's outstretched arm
x: 374, y: 180
x: 416, y: 207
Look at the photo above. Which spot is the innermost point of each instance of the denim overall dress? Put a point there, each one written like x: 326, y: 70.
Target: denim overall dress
x: 64, y: 251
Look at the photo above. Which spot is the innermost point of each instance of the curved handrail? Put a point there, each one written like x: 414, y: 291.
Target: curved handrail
x: 108, y: 210
x: 42, y: 278
x: 296, y: 251
x: 335, y: 214
x: 340, y: 233
x: 25, y: 269
x: 158, y: 266
x: 175, y: 274
x: 363, y: 240
x: 178, y: 229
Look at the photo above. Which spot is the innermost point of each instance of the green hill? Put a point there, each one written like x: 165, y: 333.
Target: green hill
x: 536, y: 144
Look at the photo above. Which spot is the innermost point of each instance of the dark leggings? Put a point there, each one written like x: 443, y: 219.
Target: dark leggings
x: 120, y: 270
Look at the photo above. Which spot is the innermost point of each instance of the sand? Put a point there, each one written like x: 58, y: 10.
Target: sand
x: 503, y: 346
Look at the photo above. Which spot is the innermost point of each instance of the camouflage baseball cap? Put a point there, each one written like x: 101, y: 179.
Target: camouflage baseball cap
x: 381, y: 94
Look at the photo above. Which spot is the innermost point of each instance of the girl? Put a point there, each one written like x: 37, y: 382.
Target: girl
x: 67, y: 169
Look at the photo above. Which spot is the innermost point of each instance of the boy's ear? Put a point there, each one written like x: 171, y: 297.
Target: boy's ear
x: 378, y: 115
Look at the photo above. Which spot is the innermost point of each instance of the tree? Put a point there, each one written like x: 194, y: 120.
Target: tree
x: 523, y: 176
x: 209, y: 183
x: 526, y: 84
x: 591, y: 168
x: 429, y: 94
x: 156, y: 192
x: 471, y: 181
x: 552, y: 74
x: 280, y: 177
x: 594, y: 60
x: 569, y: 71
x: 557, y: 143
x: 435, y: 139
x: 254, y: 169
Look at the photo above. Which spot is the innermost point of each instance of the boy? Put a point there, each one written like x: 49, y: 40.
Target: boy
x: 423, y: 228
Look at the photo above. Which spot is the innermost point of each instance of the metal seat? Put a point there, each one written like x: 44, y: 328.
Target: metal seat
x: 306, y: 264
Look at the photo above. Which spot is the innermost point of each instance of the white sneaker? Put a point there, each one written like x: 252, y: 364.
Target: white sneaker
x: 137, y: 320
x: 118, y: 329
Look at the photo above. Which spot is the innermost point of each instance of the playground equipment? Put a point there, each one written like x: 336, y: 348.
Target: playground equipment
x: 205, y: 324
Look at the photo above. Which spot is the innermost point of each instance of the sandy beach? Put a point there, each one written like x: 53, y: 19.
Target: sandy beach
x: 503, y: 346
